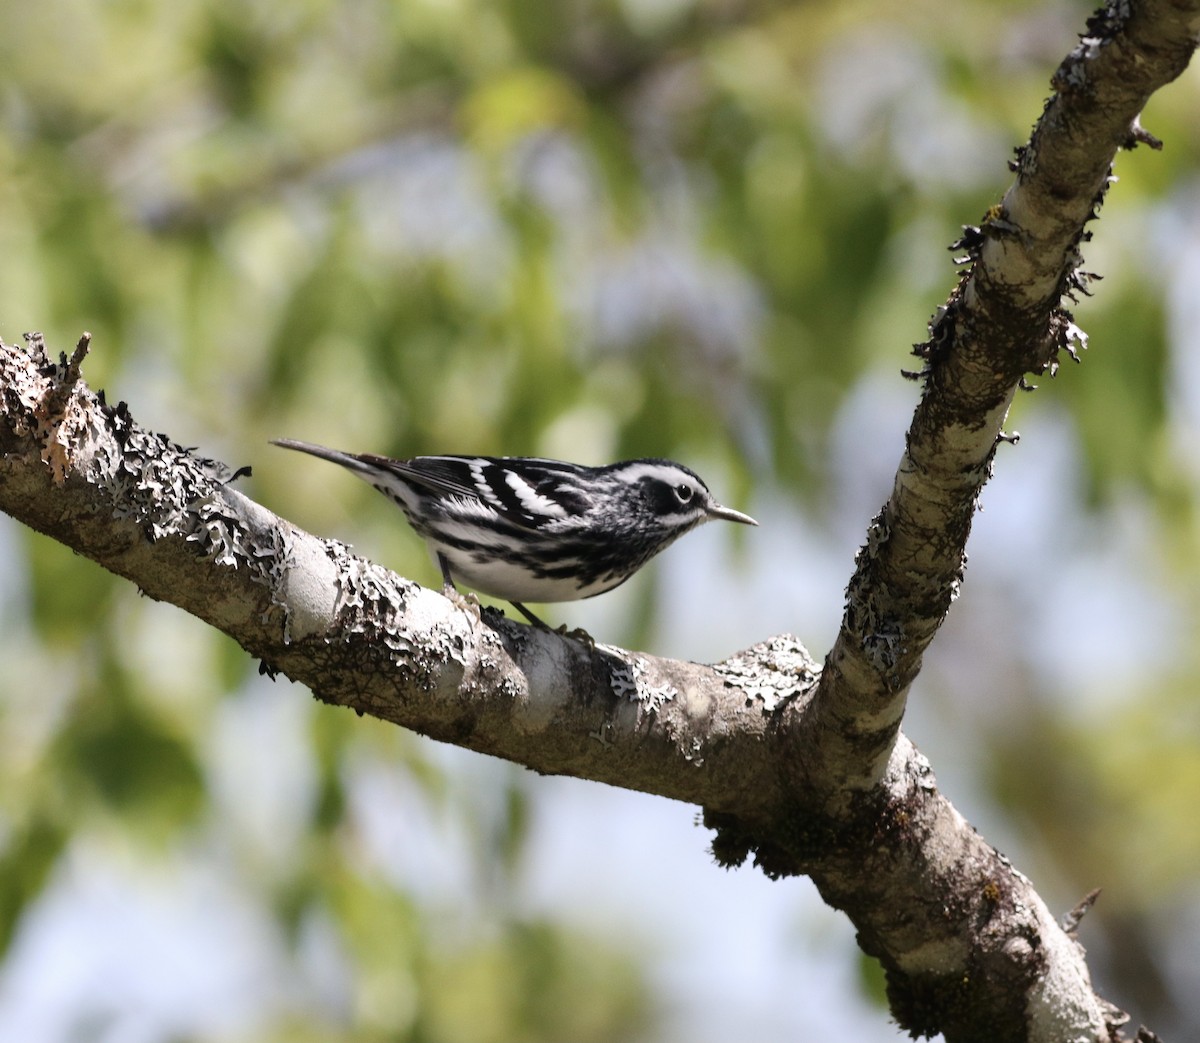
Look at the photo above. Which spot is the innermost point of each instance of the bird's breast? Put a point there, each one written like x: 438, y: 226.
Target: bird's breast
x: 513, y: 579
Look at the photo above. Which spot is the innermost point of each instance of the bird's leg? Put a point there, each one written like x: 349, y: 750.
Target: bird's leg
x: 469, y: 603
x: 529, y: 615
x: 578, y: 634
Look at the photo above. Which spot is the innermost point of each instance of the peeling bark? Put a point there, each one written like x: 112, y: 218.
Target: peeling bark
x: 86, y: 474
x: 961, y: 932
x: 1003, y: 320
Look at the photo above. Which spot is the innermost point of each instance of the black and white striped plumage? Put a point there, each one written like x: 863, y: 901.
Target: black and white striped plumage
x: 526, y: 529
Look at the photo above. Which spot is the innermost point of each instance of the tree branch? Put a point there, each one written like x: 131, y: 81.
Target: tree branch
x: 86, y: 474
x: 1004, y: 319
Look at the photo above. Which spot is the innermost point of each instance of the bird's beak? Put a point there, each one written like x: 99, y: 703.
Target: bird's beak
x: 729, y: 514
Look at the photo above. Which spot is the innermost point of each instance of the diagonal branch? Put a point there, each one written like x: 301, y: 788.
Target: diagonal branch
x: 86, y: 474
x: 1004, y: 319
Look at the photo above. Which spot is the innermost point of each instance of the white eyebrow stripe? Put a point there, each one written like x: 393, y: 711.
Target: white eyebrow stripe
x: 533, y: 501
x: 660, y: 472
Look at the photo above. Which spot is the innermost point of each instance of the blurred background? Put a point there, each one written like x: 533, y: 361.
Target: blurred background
x: 589, y: 229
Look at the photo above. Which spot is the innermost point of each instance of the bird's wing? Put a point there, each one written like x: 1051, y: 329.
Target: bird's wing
x: 525, y: 491
x: 449, y: 475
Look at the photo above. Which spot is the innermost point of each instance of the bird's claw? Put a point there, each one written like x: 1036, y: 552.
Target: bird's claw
x: 577, y: 634
x: 468, y: 602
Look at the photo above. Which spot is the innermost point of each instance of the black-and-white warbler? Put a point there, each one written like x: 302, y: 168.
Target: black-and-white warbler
x: 525, y: 529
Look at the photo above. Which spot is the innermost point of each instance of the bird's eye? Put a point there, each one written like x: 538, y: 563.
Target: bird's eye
x: 684, y: 493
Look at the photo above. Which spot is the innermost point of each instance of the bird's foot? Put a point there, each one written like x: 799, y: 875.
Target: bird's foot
x: 577, y: 634
x: 468, y: 602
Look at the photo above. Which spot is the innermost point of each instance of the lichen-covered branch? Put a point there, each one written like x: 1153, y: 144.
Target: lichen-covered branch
x: 84, y: 472
x: 958, y: 932
x: 1005, y: 319
x: 87, y: 474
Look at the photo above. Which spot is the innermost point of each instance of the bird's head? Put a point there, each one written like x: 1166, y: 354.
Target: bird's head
x: 671, y: 497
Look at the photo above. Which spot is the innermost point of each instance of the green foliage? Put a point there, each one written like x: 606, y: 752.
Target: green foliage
x: 28, y: 857
x: 129, y: 762
x: 588, y: 229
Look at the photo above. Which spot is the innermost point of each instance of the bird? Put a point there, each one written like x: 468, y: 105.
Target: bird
x: 527, y: 529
